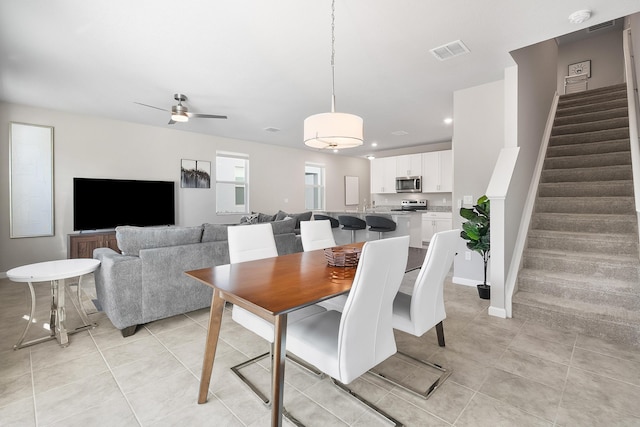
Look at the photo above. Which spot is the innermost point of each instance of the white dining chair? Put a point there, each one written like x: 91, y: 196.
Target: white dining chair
x: 316, y: 235
x: 346, y: 345
x: 417, y: 313
x: 248, y: 243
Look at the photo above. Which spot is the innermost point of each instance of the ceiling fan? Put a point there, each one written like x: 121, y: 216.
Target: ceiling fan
x: 180, y: 113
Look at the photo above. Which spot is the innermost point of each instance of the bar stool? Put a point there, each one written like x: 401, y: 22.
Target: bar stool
x: 353, y: 224
x: 334, y: 222
x: 380, y: 224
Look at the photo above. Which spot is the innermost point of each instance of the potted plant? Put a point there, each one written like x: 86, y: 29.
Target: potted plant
x: 476, y: 231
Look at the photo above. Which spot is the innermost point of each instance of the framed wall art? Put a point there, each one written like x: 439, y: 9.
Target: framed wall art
x: 195, y: 174
x: 580, y: 68
x: 351, y: 190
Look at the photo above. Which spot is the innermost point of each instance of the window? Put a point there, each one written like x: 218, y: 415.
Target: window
x: 232, y: 180
x: 314, y: 186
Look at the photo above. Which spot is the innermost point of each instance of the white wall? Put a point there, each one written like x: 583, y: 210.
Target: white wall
x: 633, y: 22
x: 605, y: 53
x: 95, y: 147
x: 478, y: 136
x: 531, y: 90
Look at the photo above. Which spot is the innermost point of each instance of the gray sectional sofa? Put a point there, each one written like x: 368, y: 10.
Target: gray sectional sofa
x: 146, y: 282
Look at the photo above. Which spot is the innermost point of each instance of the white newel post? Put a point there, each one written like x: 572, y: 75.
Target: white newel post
x: 497, y: 260
x: 497, y: 192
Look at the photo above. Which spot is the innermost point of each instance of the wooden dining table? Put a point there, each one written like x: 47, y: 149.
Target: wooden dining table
x: 270, y: 288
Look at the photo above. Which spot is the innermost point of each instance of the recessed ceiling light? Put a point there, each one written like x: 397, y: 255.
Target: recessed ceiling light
x: 579, y: 16
x: 335, y: 150
x: 274, y: 130
x: 448, y: 121
x: 370, y: 157
x: 399, y: 133
x: 374, y: 144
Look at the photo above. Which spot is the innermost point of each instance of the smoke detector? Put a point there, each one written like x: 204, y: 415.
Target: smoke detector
x: 579, y: 16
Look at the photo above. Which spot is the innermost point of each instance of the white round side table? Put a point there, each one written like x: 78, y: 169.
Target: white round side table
x: 54, y: 271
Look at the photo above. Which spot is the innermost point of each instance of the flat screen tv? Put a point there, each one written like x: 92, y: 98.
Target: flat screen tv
x: 107, y: 203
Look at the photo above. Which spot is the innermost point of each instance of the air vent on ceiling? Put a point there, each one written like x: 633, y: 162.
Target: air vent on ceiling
x: 449, y: 50
x: 601, y: 26
x: 271, y: 129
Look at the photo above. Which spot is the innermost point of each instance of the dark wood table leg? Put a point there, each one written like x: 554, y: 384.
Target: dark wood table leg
x: 277, y: 369
x: 215, y: 320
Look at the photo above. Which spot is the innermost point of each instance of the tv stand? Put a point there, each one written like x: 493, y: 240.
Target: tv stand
x: 81, y: 245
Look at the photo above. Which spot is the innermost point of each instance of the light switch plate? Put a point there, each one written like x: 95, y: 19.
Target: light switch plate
x: 468, y: 200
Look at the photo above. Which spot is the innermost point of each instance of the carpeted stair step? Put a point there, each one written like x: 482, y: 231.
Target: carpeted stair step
x: 593, y: 126
x: 588, y: 160
x: 595, y: 205
x: 601, y: 106
x: 586, y: 137
x: 586, y: 223
x: 581, y: 267
x: 600, y: 147
x: 605, y: 173
x: 592, y: 116
x: 593, y: 319
x: 592, y: 97
x: 586, y: 189
x: 575, y: 286
x: 597, y: 265
x: 608, y: 243
x: 620, y: 87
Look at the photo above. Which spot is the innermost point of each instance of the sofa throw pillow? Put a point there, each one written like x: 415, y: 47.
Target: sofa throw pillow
x: 262, y: 217
x: 304, y: 216
x: 214, y: 233
x: 283, y: 226
x: 131, y: 239
x: 249, y: 219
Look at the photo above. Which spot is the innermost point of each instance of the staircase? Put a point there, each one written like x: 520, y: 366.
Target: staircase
x: 581, y: 268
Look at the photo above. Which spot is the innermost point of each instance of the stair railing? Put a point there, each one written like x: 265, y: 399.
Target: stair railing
x: 634, y: 119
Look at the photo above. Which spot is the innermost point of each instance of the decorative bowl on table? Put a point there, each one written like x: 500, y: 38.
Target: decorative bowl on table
x: 343, y: 256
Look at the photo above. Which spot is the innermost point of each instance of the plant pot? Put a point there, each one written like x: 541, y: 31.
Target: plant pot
x: 484, y: 291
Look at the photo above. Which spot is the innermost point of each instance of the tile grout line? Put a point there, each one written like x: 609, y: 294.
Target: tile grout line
x: 116, y: 380
x: 192, y: 373
x: 33, y: 390
x: 566, y: 378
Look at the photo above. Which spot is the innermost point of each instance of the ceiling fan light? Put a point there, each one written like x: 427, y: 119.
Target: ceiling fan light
x: 333, y: 130
x: 179, y: 117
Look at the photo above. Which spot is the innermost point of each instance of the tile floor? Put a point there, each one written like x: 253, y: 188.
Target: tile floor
x: 505, y: 372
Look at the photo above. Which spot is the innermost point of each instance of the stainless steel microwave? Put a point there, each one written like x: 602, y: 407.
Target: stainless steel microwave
x: 409, y: 184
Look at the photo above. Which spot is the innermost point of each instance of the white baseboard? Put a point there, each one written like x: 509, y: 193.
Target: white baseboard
x: 497, y: 312
x: 466, y: 282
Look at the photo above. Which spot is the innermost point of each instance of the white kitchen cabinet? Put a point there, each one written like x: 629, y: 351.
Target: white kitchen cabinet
x: 383, y: 175
x: 409, y: 165
x: 437, y: 172
x: 434, y: 222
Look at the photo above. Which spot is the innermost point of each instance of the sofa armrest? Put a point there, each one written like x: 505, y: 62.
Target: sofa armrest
x: 119, y: 287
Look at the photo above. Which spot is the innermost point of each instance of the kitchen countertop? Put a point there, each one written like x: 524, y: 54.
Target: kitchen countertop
x: 388, y: 210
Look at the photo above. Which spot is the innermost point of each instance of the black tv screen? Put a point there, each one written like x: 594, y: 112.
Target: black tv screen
x: 107, y: 203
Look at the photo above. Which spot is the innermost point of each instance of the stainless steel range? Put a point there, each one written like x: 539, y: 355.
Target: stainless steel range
x: 412, y: 205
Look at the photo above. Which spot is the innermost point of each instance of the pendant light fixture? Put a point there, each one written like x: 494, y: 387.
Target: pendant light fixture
x: 333, y: 130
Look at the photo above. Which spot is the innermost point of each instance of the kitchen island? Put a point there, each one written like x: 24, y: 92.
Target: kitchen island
x: 407, y: 224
